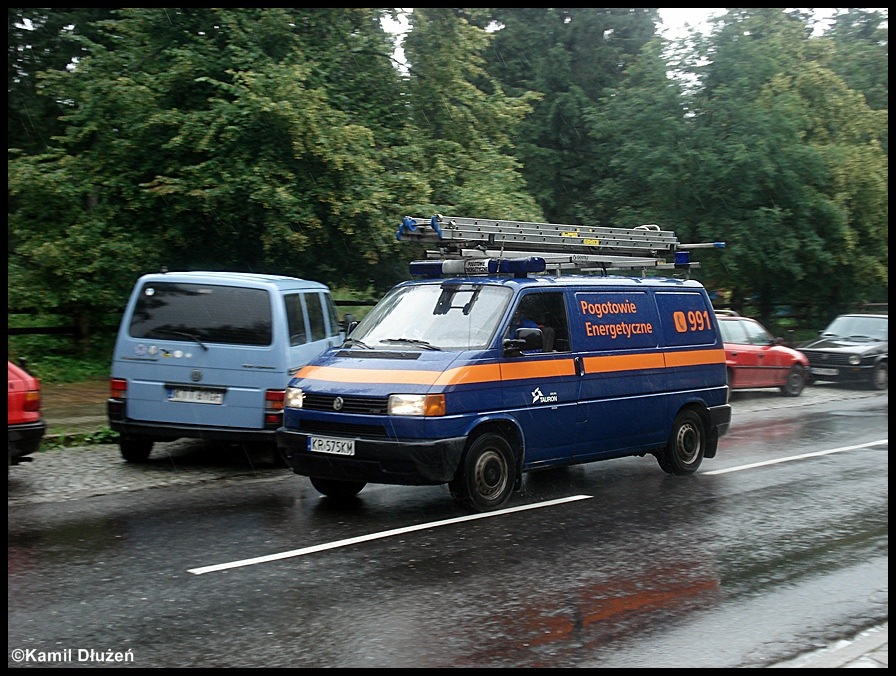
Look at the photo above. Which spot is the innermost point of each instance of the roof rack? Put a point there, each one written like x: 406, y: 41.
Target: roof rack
x: 562, y: 247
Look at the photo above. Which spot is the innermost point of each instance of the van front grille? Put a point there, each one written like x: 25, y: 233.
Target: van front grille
x: 350, y: 404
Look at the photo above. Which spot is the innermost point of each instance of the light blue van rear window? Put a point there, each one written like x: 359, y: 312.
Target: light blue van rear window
x: 205, y: 312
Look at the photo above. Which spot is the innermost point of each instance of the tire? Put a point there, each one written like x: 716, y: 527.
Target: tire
x: 340, y: 490
x: 135, y: 449
x: 686, y: 446
x: 485, y: 479
x: 879, y: 376
x: 795, y: 382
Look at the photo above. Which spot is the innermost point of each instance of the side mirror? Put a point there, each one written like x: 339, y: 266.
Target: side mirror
x: 349, y: 323
x: 526, y: 340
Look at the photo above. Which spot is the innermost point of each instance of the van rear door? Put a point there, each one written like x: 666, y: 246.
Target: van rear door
x: 201, y: 354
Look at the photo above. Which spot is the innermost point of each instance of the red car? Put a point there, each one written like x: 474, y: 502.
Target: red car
x: 23, y: 409
x: 755, y: 358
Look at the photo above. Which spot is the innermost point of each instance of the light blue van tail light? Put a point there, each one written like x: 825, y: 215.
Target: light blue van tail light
x: 118, y: 394
x: 273, y: 408
x: 118, y: 388
x: 428, y: 405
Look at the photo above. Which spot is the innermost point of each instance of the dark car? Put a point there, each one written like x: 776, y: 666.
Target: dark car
x: 23, y: 411
x: 756, y: 358
x: 853, y: 348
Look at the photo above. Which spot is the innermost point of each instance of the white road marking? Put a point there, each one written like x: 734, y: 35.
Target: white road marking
x: 378, y: 536
x: 472, y: 517
x: 797, y: 457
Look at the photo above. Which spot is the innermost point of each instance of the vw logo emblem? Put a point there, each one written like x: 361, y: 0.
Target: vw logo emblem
x: 195, y: 375
x: 338, y: 402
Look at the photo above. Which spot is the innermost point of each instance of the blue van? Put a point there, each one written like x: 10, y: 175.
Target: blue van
x: 474, y: 379
x: 208, y: 355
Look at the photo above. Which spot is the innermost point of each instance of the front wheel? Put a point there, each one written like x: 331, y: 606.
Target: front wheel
x: 686, y: 446
x: 795, y: 382
x: 879, y: 376
x: 134, y: 449
x: 485, y: 479
x: 334, y: 488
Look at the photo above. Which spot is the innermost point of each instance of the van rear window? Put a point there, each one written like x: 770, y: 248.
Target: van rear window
x: 204, y: 312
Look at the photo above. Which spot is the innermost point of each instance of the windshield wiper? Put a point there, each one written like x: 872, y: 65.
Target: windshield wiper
x: 171, y: 332
x: 348, y: 342
x: 413, y: 341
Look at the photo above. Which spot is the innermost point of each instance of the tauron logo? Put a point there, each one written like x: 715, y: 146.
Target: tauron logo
x: 538, y: 397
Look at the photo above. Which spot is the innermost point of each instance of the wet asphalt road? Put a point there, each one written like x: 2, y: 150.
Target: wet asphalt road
x: 741, y: 569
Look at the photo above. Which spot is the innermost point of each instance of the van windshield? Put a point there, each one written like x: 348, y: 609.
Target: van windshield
x: 448, y: 316
x: 204, y: 313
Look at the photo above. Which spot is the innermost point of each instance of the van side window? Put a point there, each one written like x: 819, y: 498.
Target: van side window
x: 295, y: 319
x: 331, y: 311
x: 547, y: 311
x: 317, y: 325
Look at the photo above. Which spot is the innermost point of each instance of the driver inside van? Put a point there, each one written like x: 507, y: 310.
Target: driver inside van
x: 526, y: 317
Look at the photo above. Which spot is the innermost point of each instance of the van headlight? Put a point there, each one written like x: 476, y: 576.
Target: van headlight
x: 295, y: 397
x: 855, y: 359
x: 416, y: 404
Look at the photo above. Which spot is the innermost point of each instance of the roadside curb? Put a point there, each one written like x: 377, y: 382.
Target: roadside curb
x: 870, y: 649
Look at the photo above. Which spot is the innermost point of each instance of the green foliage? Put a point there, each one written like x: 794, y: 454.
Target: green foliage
x: 570, y: 56
x: 67, y: 439
x: 285, y: 140
x: 466, y: 120
x: 57, y: 359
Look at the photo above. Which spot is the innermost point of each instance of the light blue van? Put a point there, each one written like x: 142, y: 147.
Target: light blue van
x: 208, y: 355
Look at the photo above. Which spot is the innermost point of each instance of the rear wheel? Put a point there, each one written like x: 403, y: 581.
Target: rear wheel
x: 796, y: 381
x: 880, y: 376
x: 485, y: 479
x: 686, y: 446
x: 334, y: 488
x: 134, y: 449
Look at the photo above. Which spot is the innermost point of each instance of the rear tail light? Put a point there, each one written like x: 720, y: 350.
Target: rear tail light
x: 273, y: 408
x: 32, y: 401
x: 118, y: 388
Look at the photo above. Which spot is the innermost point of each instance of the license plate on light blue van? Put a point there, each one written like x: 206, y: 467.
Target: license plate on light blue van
x: 194, y: 396
x: 329, y: 445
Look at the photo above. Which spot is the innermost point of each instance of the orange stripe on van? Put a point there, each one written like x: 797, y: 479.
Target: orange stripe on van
x: 695, y: 357
x: 340, y: 375
x: 513, y: 370
x: 626, y: 362
x: 465, y: 375
x: 541, y: 368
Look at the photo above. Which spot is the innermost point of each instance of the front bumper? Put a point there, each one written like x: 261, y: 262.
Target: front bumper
x: 413, y: 462
x: 720, y: 418
x: 840, y: 373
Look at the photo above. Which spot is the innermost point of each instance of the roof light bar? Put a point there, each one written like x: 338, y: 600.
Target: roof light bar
x: 519, y: 267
